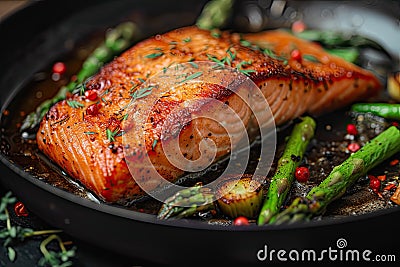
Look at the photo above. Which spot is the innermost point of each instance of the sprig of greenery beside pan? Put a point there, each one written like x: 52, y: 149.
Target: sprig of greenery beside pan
x: 14, y: 234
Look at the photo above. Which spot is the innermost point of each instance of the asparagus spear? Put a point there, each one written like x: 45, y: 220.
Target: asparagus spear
x: 186, y: 202
x: 280, y: 185
x: 385, y: 110
x: 116, y: 40
x: 215, y: 14
x: 342, y: 177
x: 333, y: 39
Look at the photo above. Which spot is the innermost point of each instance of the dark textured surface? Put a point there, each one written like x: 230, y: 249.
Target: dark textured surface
x: 28, y: 252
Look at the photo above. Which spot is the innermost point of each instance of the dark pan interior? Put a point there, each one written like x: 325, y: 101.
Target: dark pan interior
x: 34, y: 41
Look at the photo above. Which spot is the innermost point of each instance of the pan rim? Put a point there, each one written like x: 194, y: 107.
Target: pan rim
x: 181, y: 223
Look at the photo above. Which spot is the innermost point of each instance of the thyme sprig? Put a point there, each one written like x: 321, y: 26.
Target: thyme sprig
x: 311, y: 58
x: 13, y: 234
x: 142, y: 92
x: 191, y: 76
x: 246, y: 72
x: 112, y: 134
x: 269, y: 52
x: 74, y: 104
x: 228, y: 60
x: 154, y: 55
x: 60, y: 258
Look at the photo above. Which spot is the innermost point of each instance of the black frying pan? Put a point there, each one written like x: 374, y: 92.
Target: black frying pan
x: 35, y: 36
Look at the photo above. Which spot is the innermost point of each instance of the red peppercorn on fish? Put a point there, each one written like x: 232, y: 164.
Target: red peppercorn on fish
x: 82, y: 135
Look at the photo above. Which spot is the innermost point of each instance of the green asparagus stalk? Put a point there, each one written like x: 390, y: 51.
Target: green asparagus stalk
x: 187, y: 202
x: 384, y: 110
x: 215, y: 14
x: 116, y: 41
x: 281, y: 182
x: 334, y: 39
x: 342, y: 177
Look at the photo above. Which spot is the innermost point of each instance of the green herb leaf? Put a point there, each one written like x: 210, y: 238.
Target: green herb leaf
x: 187, y: 40
x: 105, y: 92
x: 90, y: 133
x: 125, y: 117
x: 214, y: 59
x: 134, y: 85
x: 247, y: 72
x: 215, y: 34
x: 154, y: 55
x: 13, y: 231
x: 311, y: 58
x: 154, y: 143
x: 142, y: 92
x: 74, y: 104
x: 111, y: 134
x: 194, y: 65
x: 272, y: 54
x: 245, y: 43
x: 11, y: 254
x: 192, y: 76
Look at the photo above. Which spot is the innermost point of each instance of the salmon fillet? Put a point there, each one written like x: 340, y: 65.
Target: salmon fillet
x: 89, y: 146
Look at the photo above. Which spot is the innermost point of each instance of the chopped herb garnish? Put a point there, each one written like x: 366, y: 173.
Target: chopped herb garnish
x: 125, y: 117
x: 272, y: 54
x: 173, y: 43
x: 311, y: 58
x: 111, y: 134
x: 244, y: 71
x: 134, y: 85
x: 245, y: 43
x: 227, y: 60
x: 90, y: 133
x: 220, y: 63
x: 192, y: 76
x: 154, y: 55
x: 105, y: 92
x: 142, y: 92
x: 74, y: 104
x: 154, y: 143
x: 194, y: 65
x: 231, y: 58
x: 81, y: 88
x: 215, y: 34
x: 187, y: 40
x: 141, y: 80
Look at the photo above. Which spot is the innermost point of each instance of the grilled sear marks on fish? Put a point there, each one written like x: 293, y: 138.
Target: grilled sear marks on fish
x: 88, y: 145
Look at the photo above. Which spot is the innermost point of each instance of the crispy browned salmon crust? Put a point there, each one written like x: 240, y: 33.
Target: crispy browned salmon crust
x: 88, y: 144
